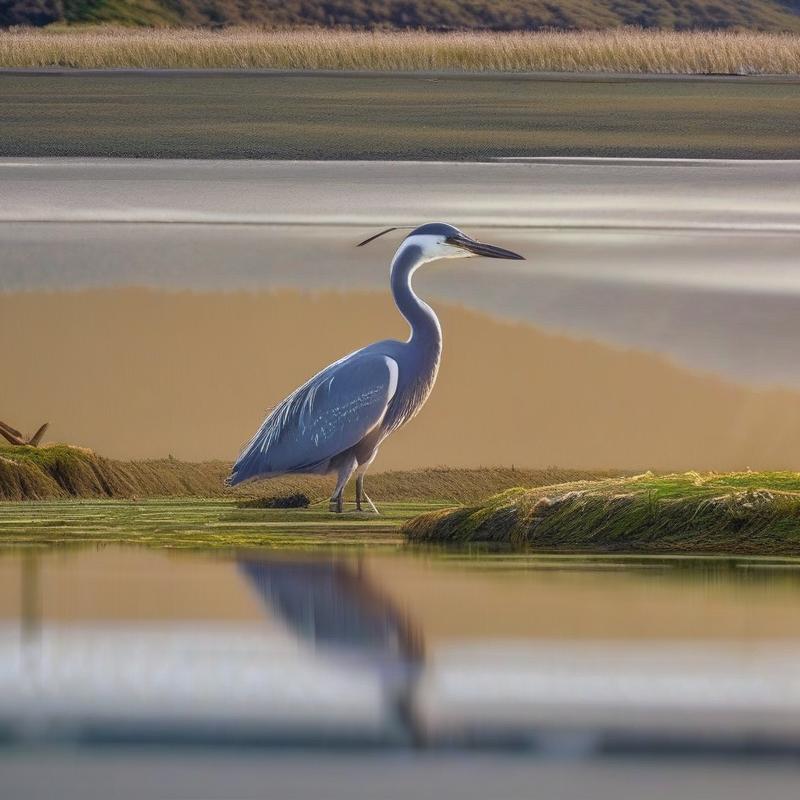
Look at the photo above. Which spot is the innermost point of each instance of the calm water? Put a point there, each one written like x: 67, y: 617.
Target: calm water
x: 395, y: 647
x: 130, y: 673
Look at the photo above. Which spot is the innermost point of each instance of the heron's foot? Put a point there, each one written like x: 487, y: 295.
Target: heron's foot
x: 336, y: 505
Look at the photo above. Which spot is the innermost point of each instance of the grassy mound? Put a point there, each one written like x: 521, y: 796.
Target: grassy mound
x: 746, y: 512
x: 61, y: 472
x: 31, y: 473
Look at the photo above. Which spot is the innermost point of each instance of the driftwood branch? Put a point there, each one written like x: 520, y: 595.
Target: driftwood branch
x: 37, y: 437
x: 7, y: 431
x: 15, y: 437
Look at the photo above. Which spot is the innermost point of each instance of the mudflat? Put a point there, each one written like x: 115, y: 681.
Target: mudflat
x: 428, y: 116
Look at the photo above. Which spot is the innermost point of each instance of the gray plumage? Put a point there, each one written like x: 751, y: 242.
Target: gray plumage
x: 337, y: 420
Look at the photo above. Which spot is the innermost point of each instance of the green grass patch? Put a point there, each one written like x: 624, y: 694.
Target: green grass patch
x: 198, y: 524
x: 749, y: 513
x: 735, y: 514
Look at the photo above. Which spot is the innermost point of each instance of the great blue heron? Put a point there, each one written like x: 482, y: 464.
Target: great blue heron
x: 336, y: 421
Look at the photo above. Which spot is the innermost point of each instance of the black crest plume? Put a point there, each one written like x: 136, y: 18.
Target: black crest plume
x: 388, y: 230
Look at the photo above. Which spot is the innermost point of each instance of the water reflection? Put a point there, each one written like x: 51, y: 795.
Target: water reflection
x: 335, y: 606
x: 339, y: 649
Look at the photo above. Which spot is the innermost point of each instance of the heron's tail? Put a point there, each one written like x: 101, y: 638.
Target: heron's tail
x: 246, y: 468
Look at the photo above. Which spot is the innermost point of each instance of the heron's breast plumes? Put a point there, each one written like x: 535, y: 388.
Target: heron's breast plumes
x: 412, y: 392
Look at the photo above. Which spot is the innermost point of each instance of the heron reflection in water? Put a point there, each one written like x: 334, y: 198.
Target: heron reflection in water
x: 336, y: 422
x: 335, y: 607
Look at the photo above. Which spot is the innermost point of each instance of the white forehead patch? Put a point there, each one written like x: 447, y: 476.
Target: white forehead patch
x: 433, y: 247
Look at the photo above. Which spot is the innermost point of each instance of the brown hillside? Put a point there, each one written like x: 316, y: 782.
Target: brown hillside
x: 773, y: 15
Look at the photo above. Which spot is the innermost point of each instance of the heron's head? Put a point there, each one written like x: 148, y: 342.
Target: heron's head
x: 439, y: 240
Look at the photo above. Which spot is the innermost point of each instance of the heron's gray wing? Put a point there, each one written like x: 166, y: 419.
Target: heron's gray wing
x: 331, y: 413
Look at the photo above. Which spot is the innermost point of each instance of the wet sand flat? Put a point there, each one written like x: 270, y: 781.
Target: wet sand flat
x: 136, y: 373
x: 197, y: 114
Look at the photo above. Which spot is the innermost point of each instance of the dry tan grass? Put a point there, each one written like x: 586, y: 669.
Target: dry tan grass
x: 620, y: 50
x: 61, y: 471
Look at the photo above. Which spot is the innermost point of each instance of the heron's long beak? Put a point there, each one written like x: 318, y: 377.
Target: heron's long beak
x: 481, y: 249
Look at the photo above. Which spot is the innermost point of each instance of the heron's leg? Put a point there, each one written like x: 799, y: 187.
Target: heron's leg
x: 359, y: 491
x: 336, y: 503
x: 337, y: 500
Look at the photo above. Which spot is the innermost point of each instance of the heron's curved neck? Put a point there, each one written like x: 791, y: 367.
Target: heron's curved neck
x: 425, y: 328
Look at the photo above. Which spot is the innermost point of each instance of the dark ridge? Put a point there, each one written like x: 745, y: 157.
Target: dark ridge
x: 437, y: 15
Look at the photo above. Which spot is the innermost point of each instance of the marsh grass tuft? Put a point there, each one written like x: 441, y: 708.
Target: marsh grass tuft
x: 193, y: 524
x: 746, y: 513
x: 624, y: 50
